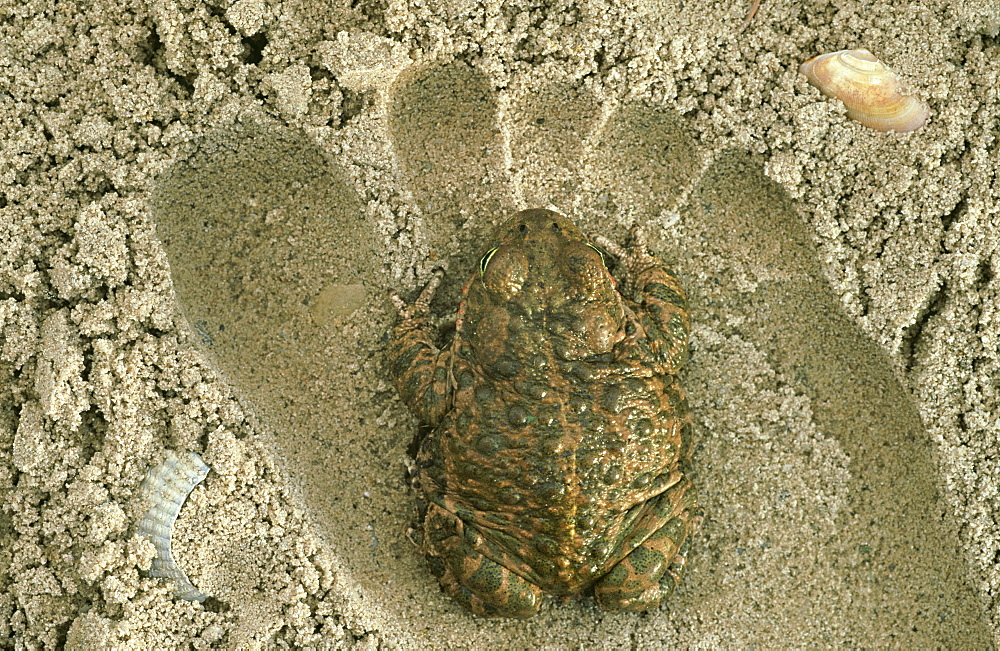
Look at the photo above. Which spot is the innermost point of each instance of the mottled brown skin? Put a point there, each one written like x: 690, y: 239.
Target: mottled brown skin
x: 561, y: 437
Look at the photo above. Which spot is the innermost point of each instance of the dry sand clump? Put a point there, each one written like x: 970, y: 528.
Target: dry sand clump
x: 203, y: 207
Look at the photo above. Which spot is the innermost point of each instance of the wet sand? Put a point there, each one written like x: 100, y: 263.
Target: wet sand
x: 203, y: 212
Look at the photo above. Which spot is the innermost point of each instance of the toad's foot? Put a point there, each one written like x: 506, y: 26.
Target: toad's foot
x: 634, y: 257
x: 422, y: 306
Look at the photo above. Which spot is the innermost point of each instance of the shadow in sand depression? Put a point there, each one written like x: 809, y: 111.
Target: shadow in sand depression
x: 262, y: 233
x: 271, y: 256
x: 895, y: 552
x: 442, y: 124
x: 891, y: 559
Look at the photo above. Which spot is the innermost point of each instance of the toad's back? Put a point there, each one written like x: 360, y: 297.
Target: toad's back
x: 555, y: 467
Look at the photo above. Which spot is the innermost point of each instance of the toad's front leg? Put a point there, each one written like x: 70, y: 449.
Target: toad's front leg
x: 661, y: 304
x: 420, y: 370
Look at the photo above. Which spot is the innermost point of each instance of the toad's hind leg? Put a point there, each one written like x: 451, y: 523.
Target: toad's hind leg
x: 649, y: 574
x: 481, y: 585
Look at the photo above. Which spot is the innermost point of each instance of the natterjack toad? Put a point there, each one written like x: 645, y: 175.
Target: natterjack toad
x: 558, y: 459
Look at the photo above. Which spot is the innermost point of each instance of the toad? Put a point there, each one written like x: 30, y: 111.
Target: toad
x: 557, y: 458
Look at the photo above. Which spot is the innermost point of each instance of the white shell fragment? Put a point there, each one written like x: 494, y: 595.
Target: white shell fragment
x: 165, y: 488
x: 871, y: 91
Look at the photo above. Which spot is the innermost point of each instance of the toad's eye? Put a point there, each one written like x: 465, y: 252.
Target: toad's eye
x: 599, y: 252
x: 486, y: 260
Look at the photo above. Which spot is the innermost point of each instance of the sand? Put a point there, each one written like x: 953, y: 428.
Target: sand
x: 204, y: 207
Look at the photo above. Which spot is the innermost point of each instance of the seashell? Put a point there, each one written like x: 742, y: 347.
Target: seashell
x: 165, y: 488
x: 871, y: 91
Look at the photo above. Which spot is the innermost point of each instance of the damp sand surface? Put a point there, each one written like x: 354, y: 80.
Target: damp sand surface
x: 203, y: 211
